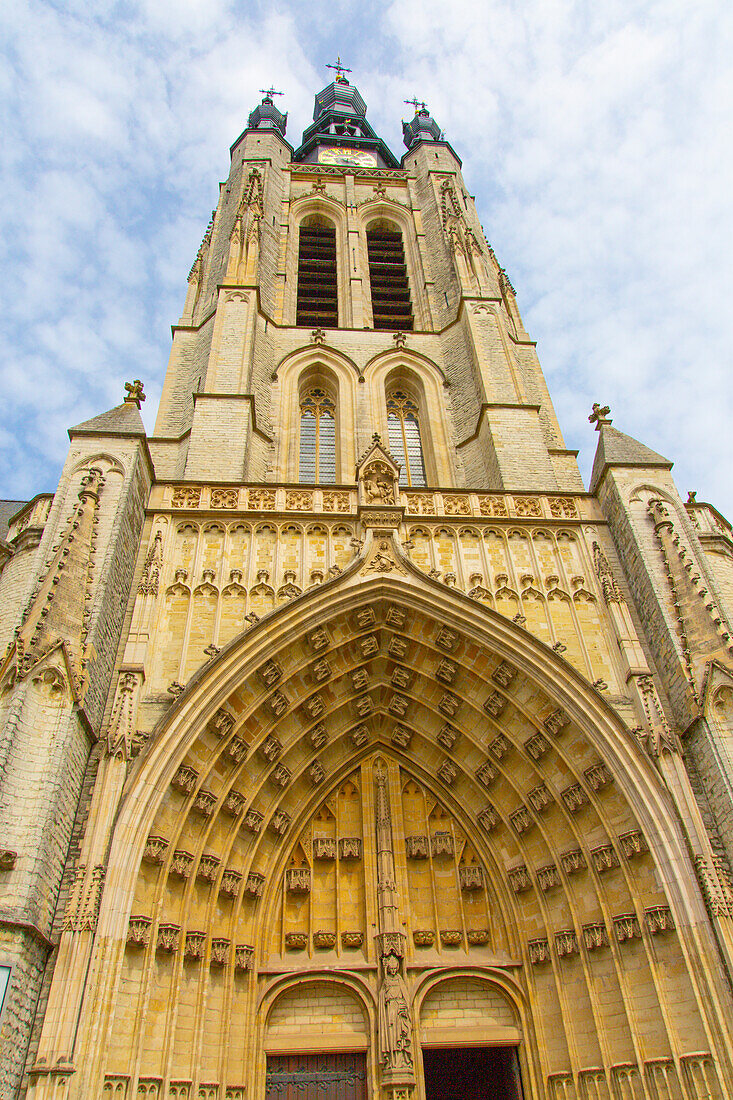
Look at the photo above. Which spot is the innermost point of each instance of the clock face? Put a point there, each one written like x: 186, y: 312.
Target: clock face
x: 355, y: 158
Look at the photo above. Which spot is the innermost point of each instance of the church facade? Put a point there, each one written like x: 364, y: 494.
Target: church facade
x: 350, y: 747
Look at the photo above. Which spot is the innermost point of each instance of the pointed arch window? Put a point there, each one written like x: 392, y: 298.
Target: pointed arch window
x: 317, y: 282
x: 405, y: 441
x: 317, y: 438
x: 391, y: 306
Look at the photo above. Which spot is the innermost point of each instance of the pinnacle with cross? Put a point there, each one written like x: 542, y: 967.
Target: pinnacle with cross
x: 268, y: 93
x: 418, y: 104
x: 340, y: 70
x: 599, y: 415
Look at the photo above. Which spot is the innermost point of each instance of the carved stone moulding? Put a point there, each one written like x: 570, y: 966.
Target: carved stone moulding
x: 205, y: 802
x: 548, y: 877
x: 489, y: 818
x: 185, y: 779
x: 168, y: 938
x: 234, y: 803
x: 270, y: 749
x: 138, y: 931
x: 441, y: 844
x: 500, y: 746
x: 316, y: 773
x: 314, y: 706
x: 539, y: 798
x: 451, y: 937
x: 503, y: 674
x: 243, y: 954
x: 486, y: 774
x: 477, y: 937
x: 194, y: 944
x: 573, y: 861
x: 359, y: 679
x: 495, y: 704
x: 296, y: 941
x: 423, y: 937
x: 604, y: 857
x: 318, y: 736
x: 359, y: 736
x: 574, y: 797
x: 566, y: 943
x: 220, y: 952
x: 298, y: 880
x: 633, y: 844
x: 446, y: 639
x: 324, y: 940
x: 595, y: 935
x: 369, y: 646
x: 448, y: 773
x: 208, y: 867
x: 397, y: 648
x: 402, y: 677
x: 280, y: 776
x: 365, y: 618
x: 155, y: 849
x: 391, y: 943
x: 448, y: 705
x: 536, y: 746
x: 254, y: 885
x: 324, y: 847
x: 278, y: 703
x: 253, y: 821
x: 401, y: 737
x: 626, y: 927
x: 395, y: 617
x: 181, y: 863
x: 659, y: 919
x: 222, y: 723
x: 448, y: 736
x: 521, y: 819
x: 229, y: 885
x: 446, y: 671
x: 352, y: 940
x: 519, y: 879
x: 236, y: 750
x: 321, y: 670
x: 556, y: 722
x: 471, y: 877
x: 417, y: 847
x: 350, y: 847
x: 398, y: 706
x: 317, y: 639
x: 270, y: 673
x: 598, y: 776
x: 539, y: 952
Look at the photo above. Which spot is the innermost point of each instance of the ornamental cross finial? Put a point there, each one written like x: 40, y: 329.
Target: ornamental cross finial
x: 599, y: 415
x: 135, y: 393
x: 268, y: 93
x: 418, y: 104
x: 340, y: 70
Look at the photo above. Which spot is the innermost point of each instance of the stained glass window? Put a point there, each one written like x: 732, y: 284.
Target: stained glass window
x: 317, y: 439
x: 404, y: 438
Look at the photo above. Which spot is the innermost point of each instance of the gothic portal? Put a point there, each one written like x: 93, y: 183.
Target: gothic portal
x: 350, y: 747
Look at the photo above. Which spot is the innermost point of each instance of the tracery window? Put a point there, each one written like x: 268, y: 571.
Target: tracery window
x: 317, y: 438
x: 405, y: 442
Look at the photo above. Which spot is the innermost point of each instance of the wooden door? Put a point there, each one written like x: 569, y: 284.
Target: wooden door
x: 316, y: 1077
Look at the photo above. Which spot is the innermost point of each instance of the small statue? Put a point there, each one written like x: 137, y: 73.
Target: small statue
x: 394, y: 1017
x: 378, y: 485
x: 135, y: 393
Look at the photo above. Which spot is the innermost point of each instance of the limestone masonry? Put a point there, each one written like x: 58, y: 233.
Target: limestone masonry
x: 350, y: 747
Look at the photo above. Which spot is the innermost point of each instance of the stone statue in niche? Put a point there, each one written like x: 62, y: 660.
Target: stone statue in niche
x: 395, y: 1026
x: 379, y: 484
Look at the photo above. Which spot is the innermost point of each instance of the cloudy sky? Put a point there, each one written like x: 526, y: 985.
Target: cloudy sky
x: 595, y: 136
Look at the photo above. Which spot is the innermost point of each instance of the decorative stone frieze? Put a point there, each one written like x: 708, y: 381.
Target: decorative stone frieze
x: 181, y: 864
x: 316, y: 773
x: 138, y: 931
x: 169, y: 936
x: 604, y: 857
x: 446, y: 639
x: 417, y: 847
x: 324, y: 847
x: 236, y: 750
x: 369, y: 646
x: 205, y: 802
x: 448, y: 773
x: 595, y: 935
x: 536, y: 746
x: 423, y: 937
x: 539, y: 952
x: 633, y: 844
x: 395, y: 617
x: 519, y: 879
x: 397, y: 648
x: 574, y: 797
x: 155, y: 849
x: 314, y: 706
x: 350, y: 847
x: 500, y: 746
x: 448, y: 736
x: 298, y: 880
x: 363, y: 706
x: 441, y: 844
x: 359, y: 736
x: 446, y: 671
x: 521, y: 819
x: 280, y: 776
x: 495, y: 704
x: 486, y: 774
x: 222, y: 723
x: 352, y: 940
x: 471, y: 877
x: 399, y: 705
x: 318, y: 737
x: 243, y: 953
x: 234, y: 803
x: 566, y: 943
x: 359, y: 679
x: 253, y: 820
x: 448, y: 705
x: 220, y: 952
x: 478, y: 937
x: 324, y: 940
x: 556, y: 722
x: 321, y: 670
x: 185, y: 779
x: 296, y: 941
x: 488, y: 818
x: 278, y: 704
x: 451, y: 937
x: 548, y: 877
x: 626, y: 927
x: 659, y: 919
x: 280, y: 822
x: 401, y: 677
x: 270, y: 673
x: 503, y: 674
x: 194, y: 944
x: 573, y: 861
x: 254, y: 885
x: 539, y: 798
x: 208, y: 867
x: 317, y: 639
x: 598, y: 776
x: 365, y: 618
x: 401, y: 737
x: 230, y: 881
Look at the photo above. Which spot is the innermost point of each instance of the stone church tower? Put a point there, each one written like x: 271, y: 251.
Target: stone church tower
x: 350, y: 748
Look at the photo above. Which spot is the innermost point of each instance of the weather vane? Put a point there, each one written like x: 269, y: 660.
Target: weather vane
x: 268, y: 93
x: 418, y: 104
x: 340, y: 70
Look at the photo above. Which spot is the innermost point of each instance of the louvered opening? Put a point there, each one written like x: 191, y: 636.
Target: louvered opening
x: 391, y: 304
x: 317, y: 293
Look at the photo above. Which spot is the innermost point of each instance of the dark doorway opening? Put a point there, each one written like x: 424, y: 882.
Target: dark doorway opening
x: 472, y: 1073
x: 316, y: 1077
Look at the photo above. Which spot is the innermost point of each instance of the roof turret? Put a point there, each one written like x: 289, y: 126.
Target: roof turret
x: 422, y: 127
x: 266, y: 116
